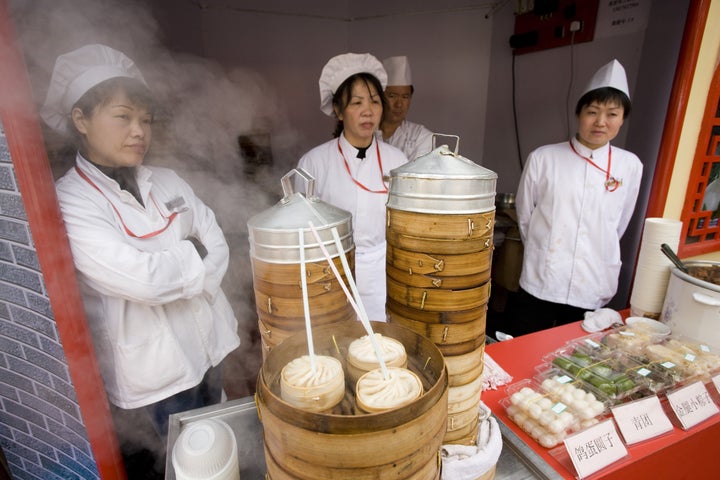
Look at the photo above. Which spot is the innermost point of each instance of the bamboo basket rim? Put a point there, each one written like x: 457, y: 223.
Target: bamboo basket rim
x: 337, y: 423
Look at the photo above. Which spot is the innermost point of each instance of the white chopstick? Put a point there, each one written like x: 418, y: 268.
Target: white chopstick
x: 306, y: 303
x: 357, y: 305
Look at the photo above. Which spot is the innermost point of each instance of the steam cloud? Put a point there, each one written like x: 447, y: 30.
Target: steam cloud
x: 207, y: 107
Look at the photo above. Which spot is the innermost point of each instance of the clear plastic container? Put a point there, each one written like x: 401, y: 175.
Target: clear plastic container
x: 592, y: 345
x: 587, y: 403
x: 547, y: 421
x: 604, y: 375
x: 654, y: 378
x: 629, y: 340
x: 693, y: 359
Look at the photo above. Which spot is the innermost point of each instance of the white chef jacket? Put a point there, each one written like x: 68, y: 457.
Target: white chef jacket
x: 571, y: 225
x: 412, y: 138
x: 334, y: 185
x: 155, y: 309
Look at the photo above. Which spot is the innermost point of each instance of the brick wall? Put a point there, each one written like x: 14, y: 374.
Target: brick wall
x: 41, y: 430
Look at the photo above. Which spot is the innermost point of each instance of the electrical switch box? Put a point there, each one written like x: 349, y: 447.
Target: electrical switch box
x: 545, y: 24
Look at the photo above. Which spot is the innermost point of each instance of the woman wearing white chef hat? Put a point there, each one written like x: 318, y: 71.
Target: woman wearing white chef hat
x: 149, y: 254
x: 574, y: 202
x: 350, y: 171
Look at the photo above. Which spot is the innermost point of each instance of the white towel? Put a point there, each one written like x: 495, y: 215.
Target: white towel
x: 466, y: 462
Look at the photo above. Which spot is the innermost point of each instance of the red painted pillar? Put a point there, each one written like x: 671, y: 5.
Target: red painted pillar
x: 27, y: 149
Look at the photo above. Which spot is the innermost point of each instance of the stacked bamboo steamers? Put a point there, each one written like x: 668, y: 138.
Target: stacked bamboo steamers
x: 440, y: 218
x: 306, y: 436
x: 276, y: 255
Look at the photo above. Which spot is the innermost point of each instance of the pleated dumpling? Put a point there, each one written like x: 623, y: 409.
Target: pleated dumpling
x: 375, y: 393
x: 362, y: 357
x: 314, y: 391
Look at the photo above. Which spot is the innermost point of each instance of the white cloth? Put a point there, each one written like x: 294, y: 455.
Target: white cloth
x: 155, y: 309
x: 339, y: 68
x: 412, y: 138
x: 334, y: 185
x: 468, y: 462
x: 77, y: 72
x: 571, y: 226
x: 600, y: 319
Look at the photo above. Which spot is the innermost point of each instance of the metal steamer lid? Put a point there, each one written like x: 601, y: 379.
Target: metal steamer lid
x: 274, y: 234
x: 442, y: 182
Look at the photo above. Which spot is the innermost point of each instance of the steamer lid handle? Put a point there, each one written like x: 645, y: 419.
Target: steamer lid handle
x: 706, y: 299
x: 457, y: 141
x: 287, y: 185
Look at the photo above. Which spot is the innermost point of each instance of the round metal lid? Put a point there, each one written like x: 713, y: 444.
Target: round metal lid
x: 442, y: 182
x: 274, y: 234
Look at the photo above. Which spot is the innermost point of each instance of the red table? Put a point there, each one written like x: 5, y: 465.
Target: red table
x: 680, y: 454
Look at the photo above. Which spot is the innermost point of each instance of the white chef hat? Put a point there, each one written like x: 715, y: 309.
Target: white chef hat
x: 339, y: 68
x: 77, y: 72
x: 609, y: 75
x: 398, y: 71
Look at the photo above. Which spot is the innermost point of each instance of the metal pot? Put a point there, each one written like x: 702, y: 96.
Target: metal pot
x: 274, y: 233
x: 692, y: 306
x: 442, y: 182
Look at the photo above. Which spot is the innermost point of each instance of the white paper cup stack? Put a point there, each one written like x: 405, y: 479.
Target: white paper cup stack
x: 652, y: 272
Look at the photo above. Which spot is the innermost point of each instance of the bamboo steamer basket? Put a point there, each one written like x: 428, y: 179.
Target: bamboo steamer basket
x: 460, y: 396
x: 442, y: 226
x: 288, y: 273
x: 459, y: 365
x: 438, y: 246
x: 445, y: 265
x: 402, y: 443
x: 464, y: 395
x: 440, y: 219
x: 438, y: 299
x: 466, y: 433
x: 447, y: 316
x: 413, y: 279
x: 445, y: 334
x: 275, y: 253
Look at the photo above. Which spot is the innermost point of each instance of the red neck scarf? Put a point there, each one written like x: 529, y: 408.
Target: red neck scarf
x: 359, y: 184
x: 169, y: 219
x: 611, y: 183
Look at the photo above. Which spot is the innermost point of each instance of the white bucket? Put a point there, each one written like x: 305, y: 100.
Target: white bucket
x: 692, y: 306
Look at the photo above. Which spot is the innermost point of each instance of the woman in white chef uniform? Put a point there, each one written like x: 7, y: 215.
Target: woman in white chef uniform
x: 350, y: 170
x: 574, y: 202
x: 149, y: 254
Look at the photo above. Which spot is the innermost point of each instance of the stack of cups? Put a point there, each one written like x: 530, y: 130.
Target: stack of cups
x: 652, y: 272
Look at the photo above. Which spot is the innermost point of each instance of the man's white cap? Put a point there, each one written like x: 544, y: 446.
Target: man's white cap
x: 77, y: 72
x: 398, y: 71
x: 339, y: 68
x: 609, y: 75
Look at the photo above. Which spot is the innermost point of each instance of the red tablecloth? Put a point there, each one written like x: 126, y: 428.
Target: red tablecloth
x: 692, y: 454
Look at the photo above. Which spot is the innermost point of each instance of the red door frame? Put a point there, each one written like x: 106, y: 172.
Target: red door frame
x: 35, y: 181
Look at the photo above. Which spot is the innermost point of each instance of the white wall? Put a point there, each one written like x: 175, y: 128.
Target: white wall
x: 288, y: 43
x: 449, y: 53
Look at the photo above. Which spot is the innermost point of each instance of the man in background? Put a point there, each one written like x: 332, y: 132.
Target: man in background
x: 413, y: 139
